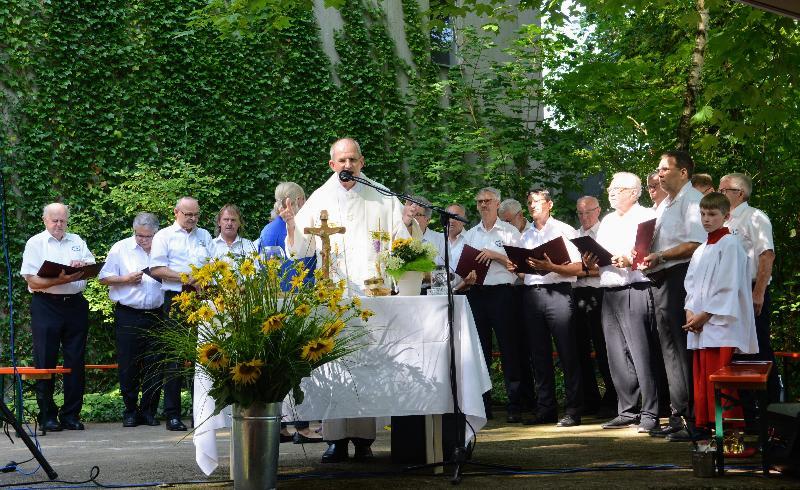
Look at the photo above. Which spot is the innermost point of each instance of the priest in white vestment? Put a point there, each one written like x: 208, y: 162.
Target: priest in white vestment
x: 361, y: 210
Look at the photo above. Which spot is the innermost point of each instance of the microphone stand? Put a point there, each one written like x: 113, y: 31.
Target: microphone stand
x: 462, y: 455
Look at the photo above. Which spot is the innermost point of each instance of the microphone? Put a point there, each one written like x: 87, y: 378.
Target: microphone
x: 345, y: 176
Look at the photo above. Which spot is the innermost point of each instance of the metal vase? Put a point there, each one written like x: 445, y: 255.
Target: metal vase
x: 256, y: 444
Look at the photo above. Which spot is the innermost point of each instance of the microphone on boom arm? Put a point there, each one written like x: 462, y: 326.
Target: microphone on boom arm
x: 346, y: 176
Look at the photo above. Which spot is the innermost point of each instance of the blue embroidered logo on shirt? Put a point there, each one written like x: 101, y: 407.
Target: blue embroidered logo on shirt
x: 498, y: 243
x: 76, y: 248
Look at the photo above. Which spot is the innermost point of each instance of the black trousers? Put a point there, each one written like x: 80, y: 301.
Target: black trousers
x: 589, y: 332
x: 669, y: 300
x: 547, y: 310
x: 627, y: 318
x: 60, y: 322
x: 526, y: 384
x: 492, y: 312
x: 172, y: 377
x: 140, y: 365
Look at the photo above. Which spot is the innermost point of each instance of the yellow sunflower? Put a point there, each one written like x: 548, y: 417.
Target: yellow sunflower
x: 356, y: 302
x: 297, y: 281
x: 219, y: 303
x: 333, y: 329
x: 246, y: 373
x: 247, y: 268
x: 205, y: 313
x: 365, y: 314
x: 303, y: 310
x: 314, y: 350
x: 211, y: 356
x: 273, y: 323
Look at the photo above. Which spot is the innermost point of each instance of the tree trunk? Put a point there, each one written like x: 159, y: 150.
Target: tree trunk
x: 694, y: 79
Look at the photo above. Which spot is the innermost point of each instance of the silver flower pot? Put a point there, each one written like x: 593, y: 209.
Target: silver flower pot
x: 256, y: 444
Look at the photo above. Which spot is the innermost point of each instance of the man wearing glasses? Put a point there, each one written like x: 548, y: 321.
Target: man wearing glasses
x: 137, y: 311
x: 175, y: 249
x: 754, y: 229
x: 678, y: 233
x: 588, y: 297
x: 657, y: 194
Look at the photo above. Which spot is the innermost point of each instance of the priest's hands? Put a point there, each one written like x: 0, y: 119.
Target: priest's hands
x: 695, y: 323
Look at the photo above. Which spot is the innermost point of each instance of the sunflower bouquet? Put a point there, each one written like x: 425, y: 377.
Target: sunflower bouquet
x: 409, y: 254
x: 254, y: 341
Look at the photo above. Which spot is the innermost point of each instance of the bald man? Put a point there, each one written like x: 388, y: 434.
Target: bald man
x: 59, y: 316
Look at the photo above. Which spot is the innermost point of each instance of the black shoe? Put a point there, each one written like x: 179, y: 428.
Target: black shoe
x: 175, y: 424
x: 147, y: 419
x: 541, y: 419
x: 71, y: 424
x: 336, y: 452
x: 129, y: 420
x: 647, y: 424
x: 664, y: 431
x: 363, y: 449
x: 299, y: 438
x: 569, y: 421
x: 51, y: 425
x: 286, y: 438
x: 684, y: 435
x: 513, y: 417
x: 620, y: 422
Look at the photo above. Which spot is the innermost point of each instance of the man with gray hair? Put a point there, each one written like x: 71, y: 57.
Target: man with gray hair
x: 137, y: 301
x: 59, y: 316
x: 488, y: 301
x: 588, y: 297
x: 175, y: 249
x: 511, y: 212
x: 754, y: 229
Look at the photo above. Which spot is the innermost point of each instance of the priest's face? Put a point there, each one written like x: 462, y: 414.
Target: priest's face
x: 712, y: 219
x: 55, y: 220
x: 346, y: 157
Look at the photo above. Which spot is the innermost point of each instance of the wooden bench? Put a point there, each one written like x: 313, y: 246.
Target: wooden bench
x: 741, y: 375
x: 26, y: 372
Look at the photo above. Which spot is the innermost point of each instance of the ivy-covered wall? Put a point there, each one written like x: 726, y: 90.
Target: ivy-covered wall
x: 98, y: 98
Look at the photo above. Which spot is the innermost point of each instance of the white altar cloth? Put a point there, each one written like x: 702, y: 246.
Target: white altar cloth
x: 403, y: 370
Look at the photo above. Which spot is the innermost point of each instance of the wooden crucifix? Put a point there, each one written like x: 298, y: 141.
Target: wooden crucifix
x: 324, y: 232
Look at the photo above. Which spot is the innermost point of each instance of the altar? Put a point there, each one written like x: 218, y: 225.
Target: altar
x: 402, y: 370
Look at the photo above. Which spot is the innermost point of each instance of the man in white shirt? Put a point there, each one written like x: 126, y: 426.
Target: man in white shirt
x: 489, y: 300
x: 228, y: 242
x: 588, y: 297
x: 547, y: 315
x: 678, y: 234
x: 754, y: 229
x: 627, y: 309
x: 59, y: 316
x: 137, y: 301
x: 419, y: 229
x: 510, y: 211
x: 361, y: 210
x: 657, y: 193
x: 175, y: 249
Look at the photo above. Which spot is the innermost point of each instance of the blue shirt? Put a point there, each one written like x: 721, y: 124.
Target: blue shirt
x: 274, y: 234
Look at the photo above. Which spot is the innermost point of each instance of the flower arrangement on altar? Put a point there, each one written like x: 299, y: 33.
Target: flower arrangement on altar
x: 409, y: 254
x: 254, y: 341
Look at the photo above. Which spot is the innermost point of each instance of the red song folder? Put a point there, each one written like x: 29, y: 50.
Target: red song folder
x: 467, y: 264
x: 644, y: 238
x: 52, y: 269
x: 587, y: 244
x: 555, y: 249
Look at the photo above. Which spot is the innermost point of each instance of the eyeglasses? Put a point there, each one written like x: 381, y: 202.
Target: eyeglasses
x: 190, y: 215
x: 587, y: 212
x: 485, y: 201
x: 729, y: 189
x: 614, y: 190
x: 144, y: 237
x: 420, y: 215
x: 652, y: 187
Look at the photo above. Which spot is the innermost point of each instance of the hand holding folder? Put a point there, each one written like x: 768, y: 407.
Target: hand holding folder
x: 468, y: 262
x: 644, y: 238
x: 555, y: 251
x: 587, y: 244
x: 52, y: 269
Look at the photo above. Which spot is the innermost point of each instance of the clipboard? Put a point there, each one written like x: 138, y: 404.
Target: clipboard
x: 555, y: 249
x: 588, y: 244
x: 52, y: 269
x: 644, y: 238
x: 467, y: 264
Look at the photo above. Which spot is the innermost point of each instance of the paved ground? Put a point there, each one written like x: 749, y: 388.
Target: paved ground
x: 150, y: 455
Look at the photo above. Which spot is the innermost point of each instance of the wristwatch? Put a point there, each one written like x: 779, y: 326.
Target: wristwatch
x: 661, y: 258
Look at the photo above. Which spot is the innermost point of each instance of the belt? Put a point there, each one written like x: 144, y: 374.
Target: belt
x: 484, y: 286
x: 138, y: 310
x: 633, y: 285
x: 59, y: 297
x: 551, y: 286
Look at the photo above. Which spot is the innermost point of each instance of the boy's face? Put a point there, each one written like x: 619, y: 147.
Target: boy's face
x: 712, y: 219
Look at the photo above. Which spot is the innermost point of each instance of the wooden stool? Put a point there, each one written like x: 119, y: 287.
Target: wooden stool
x: 742, y: 375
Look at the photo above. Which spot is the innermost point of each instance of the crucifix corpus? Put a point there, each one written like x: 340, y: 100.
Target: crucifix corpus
x: 324, y: 232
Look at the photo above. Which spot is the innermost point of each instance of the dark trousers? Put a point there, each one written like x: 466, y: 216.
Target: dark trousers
x: 173, y: 379
x: 627, y: 317
x: 60, y: 321
x: 765, y: 353
x: 491, y: 310
x: 589, y: 332
x: 140, y: 365
x: 670, y: 297
x: 547, y: 311
x: 526, y: 384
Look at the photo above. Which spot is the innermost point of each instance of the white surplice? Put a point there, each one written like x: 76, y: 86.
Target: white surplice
x: 718, y: 282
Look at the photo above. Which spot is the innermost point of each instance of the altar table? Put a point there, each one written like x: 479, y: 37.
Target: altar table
x: 402, y: 370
